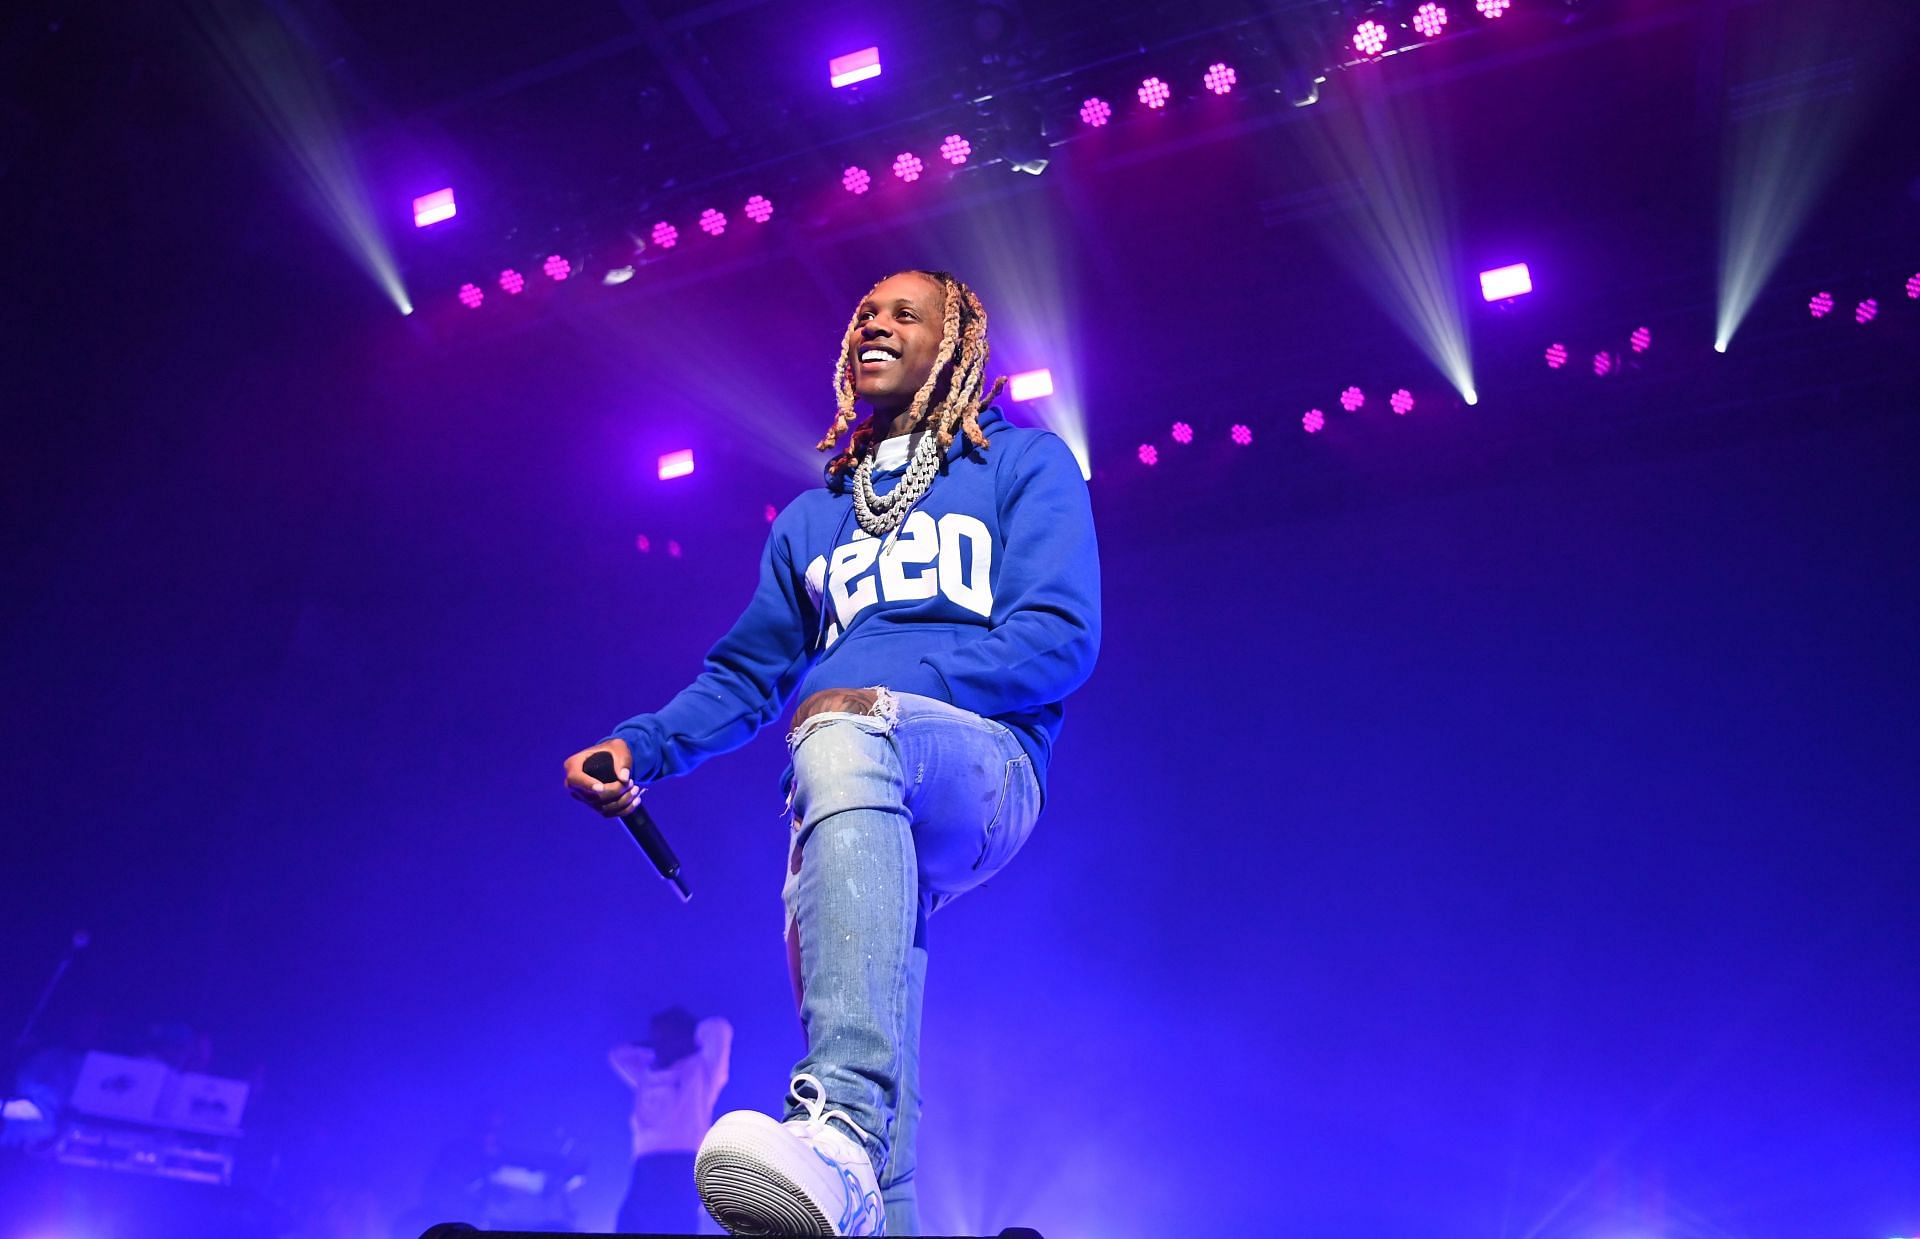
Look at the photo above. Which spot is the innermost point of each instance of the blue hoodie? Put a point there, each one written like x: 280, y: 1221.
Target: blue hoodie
x: 987, y: 597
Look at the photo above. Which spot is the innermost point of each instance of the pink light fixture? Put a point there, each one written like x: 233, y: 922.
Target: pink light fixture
x: 769, y: 512
x: 856, y: 180
x: 676, y: 464
x: 1821, y: 305
x: 1313, y: 421
x: 854, y: 67
x: 1913, y: 287
x: 471, y: 296
x: 512, y: 282
x: 1401, y: 402
x: 1641, y: 339
x: 556, y: 267
x: 1220, y: 78
x: 1603, y: 363
x: 712, y: 222
x: 1352, y: 398
x: 1149, y: 454
x: 1030, y: 385
x: 642, y: 543
x: 1154, y: 93
x: 1556, y: 355
x: 908, y: 166
x: 1865, y: 312
x: 1182, y: 433
x: 955, y: 149
x: 1241, y: 434
x: 1492, y: 8
x: 665, y: 235
x: 1096, y: 112
x: 1369, y: 38
x: 432, y: 208
x: 759, y: 210
x: 1430, y: 20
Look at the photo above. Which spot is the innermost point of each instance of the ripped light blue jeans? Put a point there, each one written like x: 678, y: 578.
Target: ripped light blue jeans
x: 895, y: 813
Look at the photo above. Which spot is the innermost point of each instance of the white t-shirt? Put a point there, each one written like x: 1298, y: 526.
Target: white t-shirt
x: 673, y: 1106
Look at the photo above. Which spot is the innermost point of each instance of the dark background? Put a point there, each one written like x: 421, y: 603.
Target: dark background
x: 1492, y: 821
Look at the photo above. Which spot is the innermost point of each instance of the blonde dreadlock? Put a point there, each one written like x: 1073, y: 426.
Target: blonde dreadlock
x: 961, y: 365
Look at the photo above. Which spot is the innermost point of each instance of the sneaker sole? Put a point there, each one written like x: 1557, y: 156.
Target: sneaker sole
x: 746, y: 1196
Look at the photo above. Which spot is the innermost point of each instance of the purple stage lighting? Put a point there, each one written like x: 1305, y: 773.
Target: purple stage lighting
x: 1241, y: 434
x: 1096, y: 111
x: 676, y: 464
x: 856, y: 179
x: 642, y: 543
x: 673, y: 548
x: 854, y: 67
x: 955, y: 149
x: 1821, y: 305
x: 712, y: 222
x: 1030, y: 385
x: 770, y: 512
x: 1352, y: 398
x: 1603, y: 363
x: 907, y: 166
x: 1220, y: 78
x: 1492, y: 8
x: 1641, y: 339
x: 1556, y: 356
x: 1314, y: 421
x: 1182, y: 433
x: 759, y: 210
x: 556, y: 267
x: 1913, y: 287
x: 665, y: 235
x: 1430, y: 20
x: 1369, y: 38
x: 1401, y: 401
x: 1149, y: 454
x: 471, y: 296
x: 432, y: 208
x: 1500, y: 283
x: 1864, y: 312
x: 512, y: 281
x: 1154, y: 93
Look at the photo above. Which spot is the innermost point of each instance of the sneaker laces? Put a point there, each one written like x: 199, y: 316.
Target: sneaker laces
x: 816, y: 1107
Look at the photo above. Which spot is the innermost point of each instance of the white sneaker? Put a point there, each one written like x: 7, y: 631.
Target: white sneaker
x: 759, y: 1176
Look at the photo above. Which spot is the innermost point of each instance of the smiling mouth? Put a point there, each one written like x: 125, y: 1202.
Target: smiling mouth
x: 875, y: 359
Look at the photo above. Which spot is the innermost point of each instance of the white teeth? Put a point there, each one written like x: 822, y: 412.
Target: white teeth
x: 875, y: 354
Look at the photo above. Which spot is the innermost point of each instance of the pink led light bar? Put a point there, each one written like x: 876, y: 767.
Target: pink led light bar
x: 759, y: 209
x: 1030, y: 385
x: 1149, y: 454
x: 432, y: 208
x: 854, y: 67
x: 1314, y: 421
x: 676, y: 464
x: 1504, y: 282
x: 1096, y: 112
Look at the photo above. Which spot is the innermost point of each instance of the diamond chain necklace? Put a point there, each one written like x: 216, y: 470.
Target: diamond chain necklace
x: 880, y: 515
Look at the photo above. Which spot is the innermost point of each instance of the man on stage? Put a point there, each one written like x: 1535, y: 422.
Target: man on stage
x: 931, y: 606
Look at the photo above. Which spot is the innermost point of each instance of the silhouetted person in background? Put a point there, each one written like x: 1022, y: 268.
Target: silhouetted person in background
x: 676, y: 1075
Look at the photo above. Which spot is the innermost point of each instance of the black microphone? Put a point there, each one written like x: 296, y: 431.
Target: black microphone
x: 599, y: 765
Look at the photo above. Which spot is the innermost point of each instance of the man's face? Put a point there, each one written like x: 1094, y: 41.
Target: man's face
x: 898, y: 340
